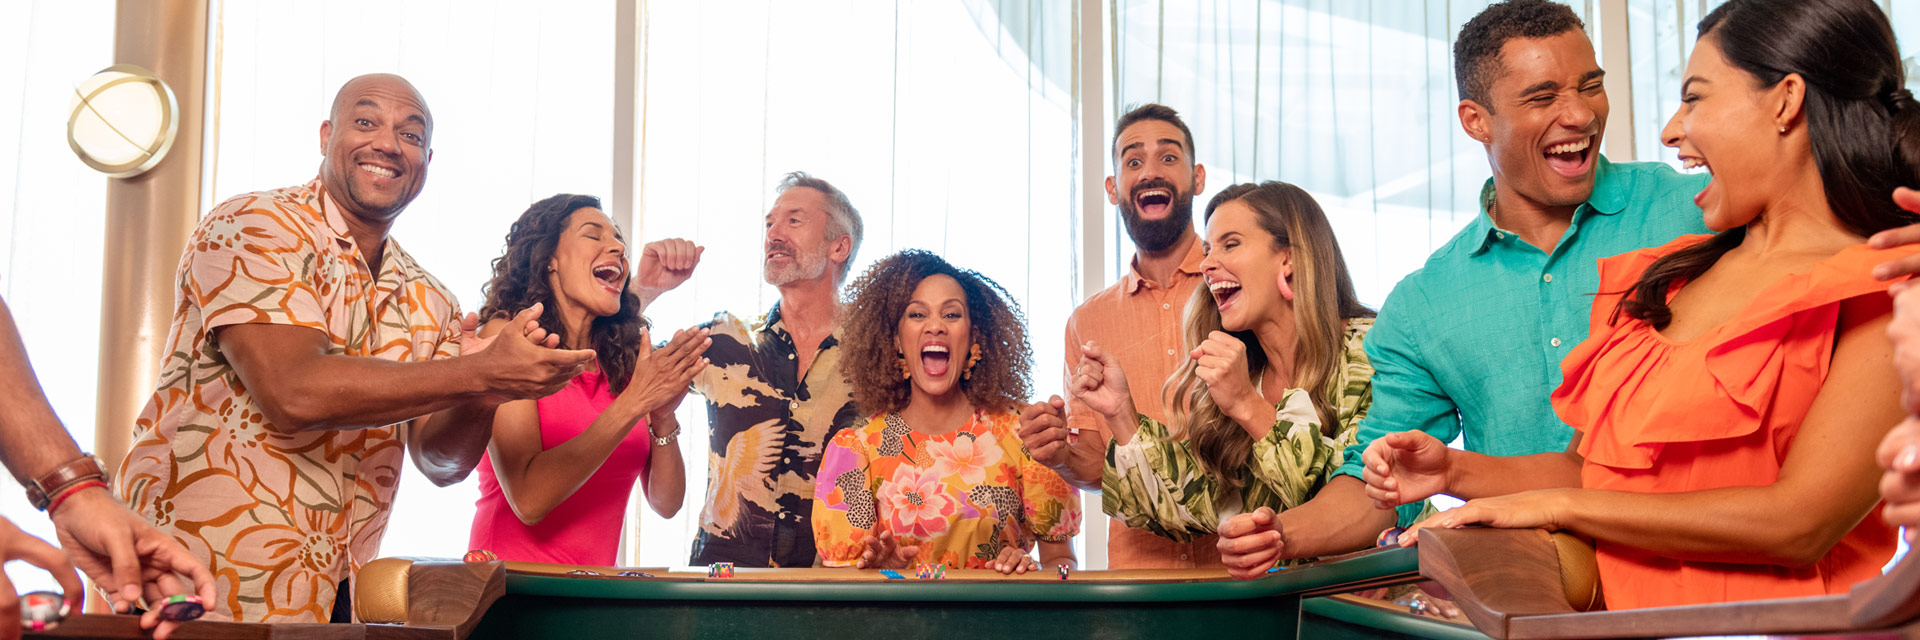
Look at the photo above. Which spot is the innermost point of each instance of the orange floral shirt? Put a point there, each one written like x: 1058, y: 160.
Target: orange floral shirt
x: 960, y: 497
x: 280, y: 518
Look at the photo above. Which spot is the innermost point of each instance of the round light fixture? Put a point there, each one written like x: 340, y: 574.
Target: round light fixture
x: 123, y: 121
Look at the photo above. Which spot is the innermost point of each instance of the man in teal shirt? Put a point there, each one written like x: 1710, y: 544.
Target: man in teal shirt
x: 1473, y: 340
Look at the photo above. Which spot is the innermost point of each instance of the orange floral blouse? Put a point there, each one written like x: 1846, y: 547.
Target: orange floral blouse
x: 280, y: 518
x: 961, y: 497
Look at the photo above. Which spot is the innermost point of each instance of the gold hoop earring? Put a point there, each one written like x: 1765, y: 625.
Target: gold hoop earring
x: 972, y: 359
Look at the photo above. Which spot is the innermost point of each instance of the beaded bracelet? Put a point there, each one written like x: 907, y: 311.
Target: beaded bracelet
x: 77, y: 488
x: 660, y: 440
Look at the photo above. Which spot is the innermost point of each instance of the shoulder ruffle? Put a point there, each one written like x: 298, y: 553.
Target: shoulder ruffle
x: 1631, y: 392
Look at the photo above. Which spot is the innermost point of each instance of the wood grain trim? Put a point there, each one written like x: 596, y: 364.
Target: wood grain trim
x: 450, y: 593
x: 1495, y: 575
x: 1797, y: 615
x: 1888, y: 600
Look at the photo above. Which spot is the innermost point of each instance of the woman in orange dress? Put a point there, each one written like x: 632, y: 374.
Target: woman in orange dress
x: 1728, y: 402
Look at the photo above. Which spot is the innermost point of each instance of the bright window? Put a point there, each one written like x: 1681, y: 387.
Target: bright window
x: 931, y: 116
x: 52, y: 219
x: 522, y: 101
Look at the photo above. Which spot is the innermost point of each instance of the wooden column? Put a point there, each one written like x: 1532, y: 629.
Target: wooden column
x: 149, y: 217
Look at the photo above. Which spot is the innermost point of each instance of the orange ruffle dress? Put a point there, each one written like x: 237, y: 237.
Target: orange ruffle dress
x: 1720, y: 410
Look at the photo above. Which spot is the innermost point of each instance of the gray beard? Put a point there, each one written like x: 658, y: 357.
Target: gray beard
x: 804, y: 268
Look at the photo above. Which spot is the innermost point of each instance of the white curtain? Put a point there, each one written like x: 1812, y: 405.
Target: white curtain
x: 1662, y: 33
x: 947, y: 123
x: 522, y: 101
x: 52, y: 217
x: 1353, y: 101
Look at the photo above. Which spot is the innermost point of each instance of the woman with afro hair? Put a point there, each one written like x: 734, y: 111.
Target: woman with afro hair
x: 938, y: 358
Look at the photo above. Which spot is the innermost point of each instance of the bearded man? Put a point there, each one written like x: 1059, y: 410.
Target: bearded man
x: 1137, y: 320
x: 775, y: 393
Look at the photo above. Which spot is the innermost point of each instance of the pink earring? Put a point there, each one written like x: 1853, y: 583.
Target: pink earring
x: 1286, y: 288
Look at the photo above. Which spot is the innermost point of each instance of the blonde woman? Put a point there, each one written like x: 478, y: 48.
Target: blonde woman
x: 1274, y: 384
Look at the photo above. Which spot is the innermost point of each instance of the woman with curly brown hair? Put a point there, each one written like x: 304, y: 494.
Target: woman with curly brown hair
x: 555, y: 480
x: 937, y: 475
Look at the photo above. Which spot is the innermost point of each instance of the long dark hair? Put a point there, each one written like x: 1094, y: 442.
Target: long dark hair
x: 1323, y: 302
x: 1863, y: 125
x: 520, y: 280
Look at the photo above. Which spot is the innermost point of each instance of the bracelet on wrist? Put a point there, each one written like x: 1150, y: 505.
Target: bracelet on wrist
x: 70, y: 490
x: 41, y: 489
x: 663, y: 440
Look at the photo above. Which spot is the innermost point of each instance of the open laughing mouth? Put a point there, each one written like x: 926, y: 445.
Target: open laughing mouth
x: 935, y: 359
x: 1571, y: 158
x: 1696, y: 162
x: 1153, y: 202
x: 612, y: 275
x: 1224, y: 292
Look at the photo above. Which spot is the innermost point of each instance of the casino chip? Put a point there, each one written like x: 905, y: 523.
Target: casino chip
x: 42, y: 610
x: 1389, y: 538
x: 1063, y: 572
x: 584, y: 572
x: 182, y: 608
x: 480, y: 555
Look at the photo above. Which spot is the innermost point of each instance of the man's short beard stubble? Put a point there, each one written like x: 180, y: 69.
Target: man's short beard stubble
x: 805, y: 266
x: 1158, y: 235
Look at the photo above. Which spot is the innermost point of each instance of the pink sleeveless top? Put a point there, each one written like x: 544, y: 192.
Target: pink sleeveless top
x: 585, y: 529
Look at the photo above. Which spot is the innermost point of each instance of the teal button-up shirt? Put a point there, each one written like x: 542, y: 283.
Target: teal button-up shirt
x: 1473, y: 340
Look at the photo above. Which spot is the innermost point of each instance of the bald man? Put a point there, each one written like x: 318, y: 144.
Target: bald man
x: 307, y: 353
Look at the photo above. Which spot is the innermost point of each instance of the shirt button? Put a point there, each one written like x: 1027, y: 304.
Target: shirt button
x: 795, y: 404
x: 1183, y: 556
x: 1554, y: 342
x: 1165, y: 305
x: 1500, y: 234
x: 1169, y: 352
x: 1548, y: 277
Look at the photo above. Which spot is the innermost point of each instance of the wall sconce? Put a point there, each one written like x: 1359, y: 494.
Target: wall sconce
x: 123, y: 121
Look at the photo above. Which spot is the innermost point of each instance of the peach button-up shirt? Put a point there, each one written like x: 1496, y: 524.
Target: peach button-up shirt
x: 279, y: 517
x: 1138, y: 321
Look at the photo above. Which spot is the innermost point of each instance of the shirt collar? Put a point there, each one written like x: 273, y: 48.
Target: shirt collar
x: 1190, y: 265
x: 773, y: 326
x: 391, y: 266
x: 336, y: 221
x: 772, y: 323
x: 1611, y: 192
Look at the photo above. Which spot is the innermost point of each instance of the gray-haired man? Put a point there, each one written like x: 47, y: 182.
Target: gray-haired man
x: 775, y: 393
